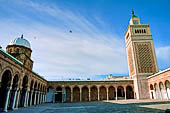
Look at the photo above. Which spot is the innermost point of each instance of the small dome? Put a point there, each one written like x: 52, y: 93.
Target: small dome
x: 21, y: 42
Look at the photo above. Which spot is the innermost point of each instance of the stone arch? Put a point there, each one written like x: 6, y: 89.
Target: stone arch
x: 94, y: 93
x: 24, y: 90
x: 85, y: 93
x: 167, y: 85
x: 157, y: 91
x: 6, y: 80
x: 7, y: 68
x: 129, y: 92
x: 112, y: 93
x: 120, y: 92
x: 68, y: 94
x: 103, y: 93
x: 76, y: 94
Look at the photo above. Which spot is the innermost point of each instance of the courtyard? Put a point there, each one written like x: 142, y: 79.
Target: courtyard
x: 121, y: 106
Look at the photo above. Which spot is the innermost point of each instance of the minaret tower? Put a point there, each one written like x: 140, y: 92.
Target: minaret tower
x: 142, y: 60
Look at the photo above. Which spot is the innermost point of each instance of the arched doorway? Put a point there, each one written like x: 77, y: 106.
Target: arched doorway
x: 24, y: 91
x: 6, y: 82
x: 94, y: 93
x: 112, y: 93
x: 129, y: 92
x: 85, y: 93
x: 120, y: 93
x: 167, y: 84
x: 58, y: 94
x: 68, y: 94
x: 76, y: 94
x: 103, y: 94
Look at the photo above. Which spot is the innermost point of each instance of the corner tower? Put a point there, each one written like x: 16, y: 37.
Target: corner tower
x: 20, y: 48
x: 140, y: 50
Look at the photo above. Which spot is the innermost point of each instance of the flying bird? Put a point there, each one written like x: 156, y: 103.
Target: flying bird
x: 70, y: 31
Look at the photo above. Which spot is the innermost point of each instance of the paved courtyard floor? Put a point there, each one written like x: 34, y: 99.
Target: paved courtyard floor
x: 129, y: 106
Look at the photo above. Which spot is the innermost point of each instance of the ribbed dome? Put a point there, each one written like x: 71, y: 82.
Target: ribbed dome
x: 21, y: 42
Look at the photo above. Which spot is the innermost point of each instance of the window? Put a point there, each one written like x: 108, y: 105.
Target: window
x: 17, y: 50
x: 135, y: 22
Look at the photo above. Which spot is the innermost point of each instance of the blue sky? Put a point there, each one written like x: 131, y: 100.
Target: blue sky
x: 96, y: 46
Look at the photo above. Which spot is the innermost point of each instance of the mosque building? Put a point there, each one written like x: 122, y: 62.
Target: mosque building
x: 20, y: 86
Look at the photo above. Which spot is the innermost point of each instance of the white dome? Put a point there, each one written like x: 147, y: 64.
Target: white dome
x: 21, y: 42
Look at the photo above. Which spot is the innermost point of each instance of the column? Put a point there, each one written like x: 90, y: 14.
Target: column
x: 14, y: 99
x: 25, y: 98
x: 71, y: 94
x: 7, y: 99
x: 35, y: 98
x: 89, y: 94
x: 159, y: 91
x: 28, y: 96
x: 80, y: 94
x: 116, y: 93
x: 98, y: 92
x: 107, y: 93
x: 45, y: 97
x: 38, y: 98
x: 125, y: 92
x: 18, y: 95
x: 31, y: 97
x: 41, y: 98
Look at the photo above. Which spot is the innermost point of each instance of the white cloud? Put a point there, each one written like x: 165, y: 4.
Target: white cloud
x: 57, y: 53
x: 163, y: 55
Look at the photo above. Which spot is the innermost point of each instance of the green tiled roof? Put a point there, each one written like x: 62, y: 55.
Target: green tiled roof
x: 11, y: 57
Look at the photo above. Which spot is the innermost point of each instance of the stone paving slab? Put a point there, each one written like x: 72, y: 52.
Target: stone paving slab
x: 131, y: 106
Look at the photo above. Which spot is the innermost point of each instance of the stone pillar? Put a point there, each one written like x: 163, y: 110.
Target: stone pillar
x: 107, y: 93
x: 125, y: 92
x: 28, y: 96
x: 18, y: 95
x: 25, y: 98
x: 14, y: 99
x: 159, y: 91
x: 89, y: 94
x: 31, y: 97
x: 116, y: 93
x: 7, y: 99
x: 98, y: 92
x: 41, y: 98
x: 63, y: 94
x: 38, y: 99
x: 80, y: 94
x: 35, y: 98
x: 71, y: 94
x: 45, y: 97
